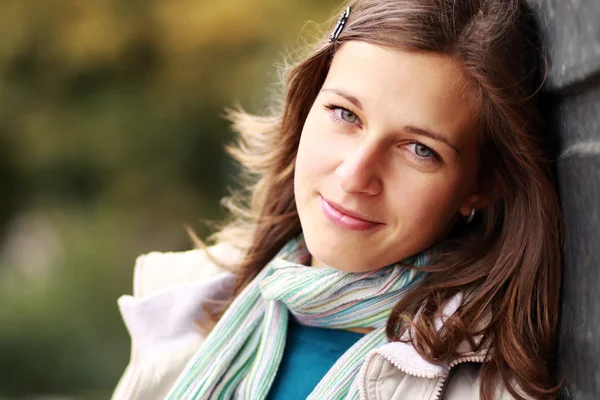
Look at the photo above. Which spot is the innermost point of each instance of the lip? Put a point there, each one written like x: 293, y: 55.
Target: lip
x: 345, y: 218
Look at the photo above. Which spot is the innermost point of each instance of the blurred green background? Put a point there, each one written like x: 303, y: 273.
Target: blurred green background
x: 111, y: 140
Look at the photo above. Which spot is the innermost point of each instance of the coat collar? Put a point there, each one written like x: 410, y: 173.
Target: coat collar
x: 405, y: 356
x: 175, y: 312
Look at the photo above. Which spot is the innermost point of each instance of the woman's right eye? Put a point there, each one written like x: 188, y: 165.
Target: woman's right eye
x: 341, y: 115
x: 348, y: 116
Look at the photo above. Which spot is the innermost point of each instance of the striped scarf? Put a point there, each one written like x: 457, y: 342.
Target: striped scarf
x: 241, y: 355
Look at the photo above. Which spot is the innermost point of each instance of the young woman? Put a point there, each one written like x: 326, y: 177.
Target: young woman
x: 401, y: 236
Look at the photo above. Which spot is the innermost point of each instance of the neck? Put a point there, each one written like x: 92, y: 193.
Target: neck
x: 316, y: 263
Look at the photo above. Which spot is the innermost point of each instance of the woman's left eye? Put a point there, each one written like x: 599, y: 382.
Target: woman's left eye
x: 421, y: 152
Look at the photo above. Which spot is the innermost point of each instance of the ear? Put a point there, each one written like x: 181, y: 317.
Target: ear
x: 475, y: 201
x: 481, y: 198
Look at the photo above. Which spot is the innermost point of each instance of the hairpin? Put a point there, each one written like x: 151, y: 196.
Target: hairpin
x: 340, y: 25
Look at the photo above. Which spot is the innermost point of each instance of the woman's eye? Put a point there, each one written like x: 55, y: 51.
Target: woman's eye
x: 342, y: 115
x: 348, y: 116
x: 422, y: 151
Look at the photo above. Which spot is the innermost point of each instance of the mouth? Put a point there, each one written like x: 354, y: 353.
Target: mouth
x: 347, y: 219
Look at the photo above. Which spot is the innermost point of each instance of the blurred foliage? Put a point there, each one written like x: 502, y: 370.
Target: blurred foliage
x: 110, y: 141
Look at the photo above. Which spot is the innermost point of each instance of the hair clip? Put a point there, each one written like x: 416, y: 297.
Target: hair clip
x: 340, y: 25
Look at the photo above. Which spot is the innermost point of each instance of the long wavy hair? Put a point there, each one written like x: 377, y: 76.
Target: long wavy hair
x: 508, y: 260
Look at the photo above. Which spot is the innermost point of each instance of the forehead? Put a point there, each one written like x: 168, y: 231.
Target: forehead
x: 398, y: 87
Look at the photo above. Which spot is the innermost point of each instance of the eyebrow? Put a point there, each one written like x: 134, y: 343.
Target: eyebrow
x: 408, y: 128
x: 347, y: 96
x: 432, y: 135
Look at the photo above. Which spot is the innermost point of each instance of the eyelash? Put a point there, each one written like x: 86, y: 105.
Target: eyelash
x: 331, y: 111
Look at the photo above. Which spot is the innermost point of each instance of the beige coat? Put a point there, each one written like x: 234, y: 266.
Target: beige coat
x: 162, y: 319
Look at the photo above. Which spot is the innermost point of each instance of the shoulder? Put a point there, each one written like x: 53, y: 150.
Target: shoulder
x: 156, y: 271
x: 465, y: 383
x: 172, y: 293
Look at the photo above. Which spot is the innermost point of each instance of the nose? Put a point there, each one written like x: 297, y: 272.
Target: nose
x: 359, y: 170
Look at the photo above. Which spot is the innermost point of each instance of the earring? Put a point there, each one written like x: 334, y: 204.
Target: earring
x: 471, y: 216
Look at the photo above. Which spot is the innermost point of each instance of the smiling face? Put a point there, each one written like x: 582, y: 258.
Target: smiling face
x: 387, y: 159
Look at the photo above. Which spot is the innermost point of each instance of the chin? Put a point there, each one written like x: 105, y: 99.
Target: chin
x: 341, y: 260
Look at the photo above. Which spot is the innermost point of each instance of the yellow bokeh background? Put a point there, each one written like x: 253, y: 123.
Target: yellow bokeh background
x: 111, y: 141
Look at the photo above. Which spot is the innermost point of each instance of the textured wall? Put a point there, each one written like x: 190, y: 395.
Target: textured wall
x: 571, y: 32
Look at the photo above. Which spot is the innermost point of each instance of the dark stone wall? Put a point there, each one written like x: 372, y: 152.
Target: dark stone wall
x: 571, y: 33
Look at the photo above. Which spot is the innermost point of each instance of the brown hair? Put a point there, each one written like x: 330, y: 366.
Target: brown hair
x: 508, y: 260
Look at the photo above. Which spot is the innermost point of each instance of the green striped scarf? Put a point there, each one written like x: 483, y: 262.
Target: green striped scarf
x: 240, y: 357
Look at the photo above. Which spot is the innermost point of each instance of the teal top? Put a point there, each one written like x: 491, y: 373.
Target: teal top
x: 309, y: 353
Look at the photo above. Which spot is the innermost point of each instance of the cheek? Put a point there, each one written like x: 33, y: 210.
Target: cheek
x: 315, y: 158
x: 425, y: 201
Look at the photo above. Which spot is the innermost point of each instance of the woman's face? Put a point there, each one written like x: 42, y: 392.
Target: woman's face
x: 387, y: 158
